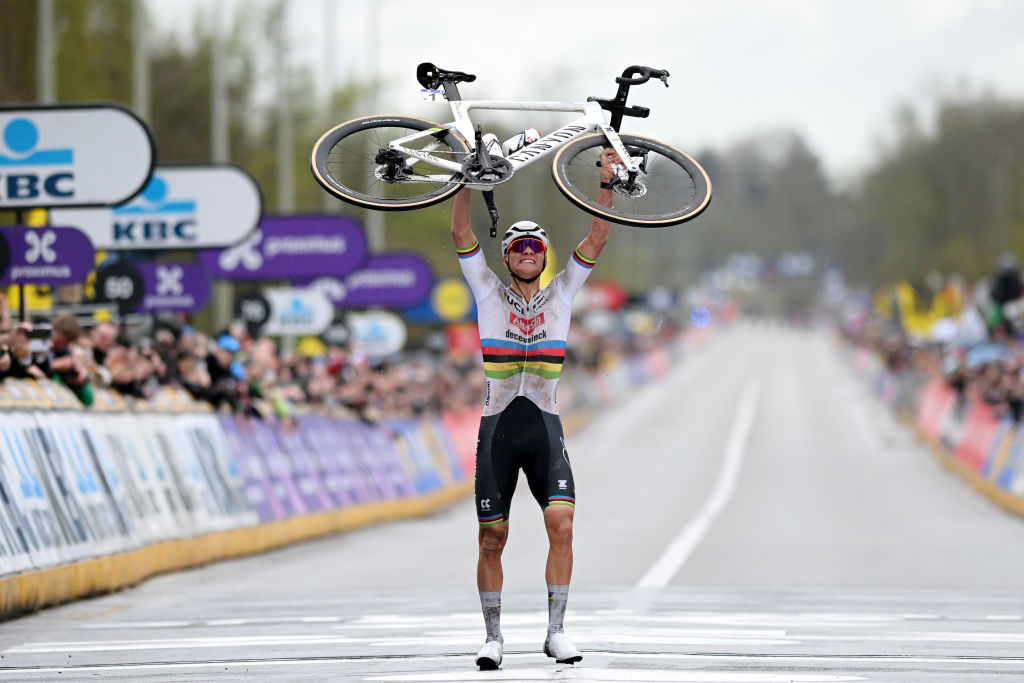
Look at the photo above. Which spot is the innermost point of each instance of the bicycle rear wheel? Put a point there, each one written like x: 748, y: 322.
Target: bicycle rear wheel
x: 352, y: 162
x: 671, y: 189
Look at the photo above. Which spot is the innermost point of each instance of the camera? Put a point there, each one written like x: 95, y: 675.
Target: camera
x: 39, y: 332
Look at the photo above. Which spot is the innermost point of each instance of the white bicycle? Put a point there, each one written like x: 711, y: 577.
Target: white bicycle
x: 396, y: 163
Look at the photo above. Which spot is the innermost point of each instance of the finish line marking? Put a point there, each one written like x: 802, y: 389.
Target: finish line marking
x: 683, y: 545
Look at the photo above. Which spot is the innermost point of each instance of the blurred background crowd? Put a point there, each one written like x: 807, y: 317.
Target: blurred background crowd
x: 233, y: 370
x: 970, y: 335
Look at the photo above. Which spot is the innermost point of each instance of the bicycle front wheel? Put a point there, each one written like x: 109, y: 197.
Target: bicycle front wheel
x: 352, y: 162
x: 672, y: 188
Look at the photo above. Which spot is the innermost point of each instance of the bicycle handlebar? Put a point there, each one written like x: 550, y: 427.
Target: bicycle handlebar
x: 635, y: 75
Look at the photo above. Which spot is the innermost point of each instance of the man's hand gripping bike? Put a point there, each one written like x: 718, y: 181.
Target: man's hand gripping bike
x: 397, y: 163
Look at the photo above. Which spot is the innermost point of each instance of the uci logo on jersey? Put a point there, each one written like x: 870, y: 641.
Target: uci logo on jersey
x: 29, y: 172
x: 155, y: 218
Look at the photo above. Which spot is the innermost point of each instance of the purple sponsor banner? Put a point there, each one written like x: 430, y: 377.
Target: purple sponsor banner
x: 304, y: 468
x: 258, y: 488
x: 328, y: 468
x: 292, y: 247
x: 183, y: 287
x: 342, y: 473
x: 386, y: 280
x: 380, y: 454
x: 371, y: 464
x: 47, y: 256
x: 265, y: 443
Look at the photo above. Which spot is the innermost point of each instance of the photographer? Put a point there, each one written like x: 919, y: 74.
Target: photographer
x: 65, y: 365
x: 23, y: 362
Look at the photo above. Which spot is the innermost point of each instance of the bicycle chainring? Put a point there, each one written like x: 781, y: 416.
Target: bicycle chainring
x: 500, y: 171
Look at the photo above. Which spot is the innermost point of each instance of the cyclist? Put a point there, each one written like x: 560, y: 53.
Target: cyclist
x: 523, y: 330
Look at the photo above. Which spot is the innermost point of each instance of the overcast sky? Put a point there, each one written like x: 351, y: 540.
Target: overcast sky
x: 833, y: 70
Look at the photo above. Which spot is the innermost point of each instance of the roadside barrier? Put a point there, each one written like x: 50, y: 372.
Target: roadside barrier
x: 965, y: 435
x: 95, y: 500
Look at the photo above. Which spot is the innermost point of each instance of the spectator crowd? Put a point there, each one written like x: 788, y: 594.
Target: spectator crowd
x: 978, y: 349
x: 252, y: 375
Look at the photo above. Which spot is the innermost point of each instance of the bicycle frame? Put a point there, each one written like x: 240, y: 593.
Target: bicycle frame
x: 591, y: 121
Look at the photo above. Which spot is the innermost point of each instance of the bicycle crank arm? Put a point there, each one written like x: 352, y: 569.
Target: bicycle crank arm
x: 492, y: 209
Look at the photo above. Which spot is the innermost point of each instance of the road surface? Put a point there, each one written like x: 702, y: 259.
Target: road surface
x: 756, y: 515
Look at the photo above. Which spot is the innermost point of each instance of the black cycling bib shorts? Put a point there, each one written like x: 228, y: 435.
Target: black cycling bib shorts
x: 521, y: 437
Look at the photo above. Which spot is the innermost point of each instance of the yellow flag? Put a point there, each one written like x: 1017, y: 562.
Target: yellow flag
x: 550, y: 269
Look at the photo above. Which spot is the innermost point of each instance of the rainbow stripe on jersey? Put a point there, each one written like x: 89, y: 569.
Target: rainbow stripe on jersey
x: 582, y: 260
x: 471, y: 250
x: 504, y: 358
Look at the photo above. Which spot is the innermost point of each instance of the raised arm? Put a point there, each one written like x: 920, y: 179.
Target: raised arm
x: 594, y: 242
x: 462, y: 230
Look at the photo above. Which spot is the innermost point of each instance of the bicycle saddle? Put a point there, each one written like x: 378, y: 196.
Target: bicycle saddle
x: 431, y: 76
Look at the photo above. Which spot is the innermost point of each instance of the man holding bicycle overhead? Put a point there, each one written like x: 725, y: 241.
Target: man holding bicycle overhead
x: 522, y: 335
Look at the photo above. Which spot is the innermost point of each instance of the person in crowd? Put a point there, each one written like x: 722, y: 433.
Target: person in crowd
x: 67, y: 366
x: 24, y: 363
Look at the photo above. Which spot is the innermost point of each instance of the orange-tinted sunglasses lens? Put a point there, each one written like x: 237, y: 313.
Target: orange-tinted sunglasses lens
x: 523, y: 243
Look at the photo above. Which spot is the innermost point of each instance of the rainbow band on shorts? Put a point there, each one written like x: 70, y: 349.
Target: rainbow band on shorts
x: 491, y: 521
x: 562, y: 500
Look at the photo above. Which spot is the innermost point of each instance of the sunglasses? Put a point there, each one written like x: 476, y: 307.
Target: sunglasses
x: 523, y: 243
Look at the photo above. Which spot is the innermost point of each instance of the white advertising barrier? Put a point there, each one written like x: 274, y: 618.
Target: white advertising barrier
x: 84, y: 155
x: 14, y: 554
x: 112, y: 479
x: 182, y: 207
x: 155, y: 506
x: 184, y: 474
x: 210, y: 443
x: 27, y: 504
x: 65, y: 512
x: 297, y: 312
x: 177, y: 510
x: 86, y: 493
x: 206, y: 474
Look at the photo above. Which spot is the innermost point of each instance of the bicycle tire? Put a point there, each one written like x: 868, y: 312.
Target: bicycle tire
x: 343, y: 163
x: 676, y: 188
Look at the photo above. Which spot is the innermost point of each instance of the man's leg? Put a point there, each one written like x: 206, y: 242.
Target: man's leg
x: 558, y: 520
x: 493, y: 521
x: 489, y: 578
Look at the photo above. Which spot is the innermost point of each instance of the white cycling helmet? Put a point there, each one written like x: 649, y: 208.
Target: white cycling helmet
x: 523, y: 229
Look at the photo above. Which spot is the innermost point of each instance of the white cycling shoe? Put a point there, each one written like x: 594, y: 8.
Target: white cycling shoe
x: 561, y: 648
x: 489, y: 657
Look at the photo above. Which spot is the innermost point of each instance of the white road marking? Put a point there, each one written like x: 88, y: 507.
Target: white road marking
x: 139, y: 624
x: 694, y: 659
x: 588, y: 674
x: 177, y: 643
x: 240, y: 621
x: 680, y: 549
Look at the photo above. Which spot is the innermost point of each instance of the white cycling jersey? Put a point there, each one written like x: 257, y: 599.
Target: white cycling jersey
x: 523, y: 342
